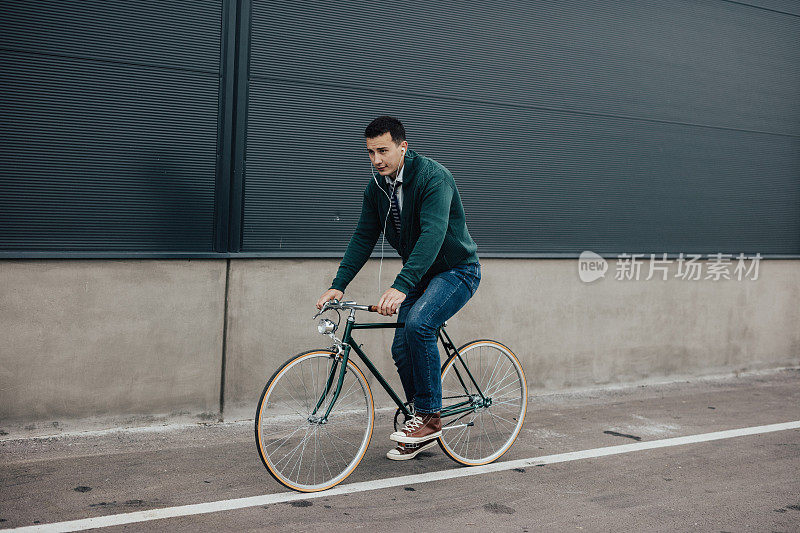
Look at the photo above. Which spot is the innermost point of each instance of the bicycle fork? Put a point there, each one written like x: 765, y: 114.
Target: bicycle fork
x: 340, y: 357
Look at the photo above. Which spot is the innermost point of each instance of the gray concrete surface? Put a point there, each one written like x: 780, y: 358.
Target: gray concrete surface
x: 741, y: 484
x: 140, y: 341
x: 567, y: 333
x: 102, y: 338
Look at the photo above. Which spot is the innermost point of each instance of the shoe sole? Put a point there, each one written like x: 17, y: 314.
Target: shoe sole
x: 407, y: 456
x: 399, y: 437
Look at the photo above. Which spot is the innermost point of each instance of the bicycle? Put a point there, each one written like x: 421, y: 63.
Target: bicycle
x: 316, y: 414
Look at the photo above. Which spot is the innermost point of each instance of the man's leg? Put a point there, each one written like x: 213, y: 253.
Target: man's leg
x: 402, y: 360
x: 400, y: 350
x: 446, y: 293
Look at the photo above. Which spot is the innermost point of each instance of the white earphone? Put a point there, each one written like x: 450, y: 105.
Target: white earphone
x: 386, y: 219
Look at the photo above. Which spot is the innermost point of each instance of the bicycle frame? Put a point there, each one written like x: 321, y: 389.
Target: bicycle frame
x: 348, y: 343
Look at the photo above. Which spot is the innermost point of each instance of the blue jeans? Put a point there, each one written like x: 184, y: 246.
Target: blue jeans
x: 414, y: 350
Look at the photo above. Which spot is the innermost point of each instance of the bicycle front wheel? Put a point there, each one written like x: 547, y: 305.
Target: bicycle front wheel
x: 479, y: 424
x: 300, y: 449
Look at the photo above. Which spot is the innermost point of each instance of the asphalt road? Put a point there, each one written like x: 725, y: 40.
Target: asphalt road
x: 743, y: 483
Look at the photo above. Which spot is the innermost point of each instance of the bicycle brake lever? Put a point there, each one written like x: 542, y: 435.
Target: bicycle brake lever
x: 325, y: 306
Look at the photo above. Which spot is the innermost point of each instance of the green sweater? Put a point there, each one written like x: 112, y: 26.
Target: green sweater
x: 433, y: 236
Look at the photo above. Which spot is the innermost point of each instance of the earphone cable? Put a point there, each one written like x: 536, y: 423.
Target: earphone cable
x: 383, y: 237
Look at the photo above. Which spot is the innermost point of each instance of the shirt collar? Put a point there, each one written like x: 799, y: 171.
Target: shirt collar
x: 399, y: 178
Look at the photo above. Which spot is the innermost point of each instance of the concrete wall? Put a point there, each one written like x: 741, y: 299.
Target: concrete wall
x: 567, y: 333
x: 96, y: 338
x: 86, y: 338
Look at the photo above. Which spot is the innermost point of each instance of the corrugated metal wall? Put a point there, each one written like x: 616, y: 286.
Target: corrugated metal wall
x: 109, y: 116
x: 612, y: 126
x: 624, y: 126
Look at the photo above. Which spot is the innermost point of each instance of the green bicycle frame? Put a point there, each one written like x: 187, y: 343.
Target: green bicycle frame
x: 349, y: 343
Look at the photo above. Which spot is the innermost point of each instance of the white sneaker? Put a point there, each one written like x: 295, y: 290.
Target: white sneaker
x: 404, y: 452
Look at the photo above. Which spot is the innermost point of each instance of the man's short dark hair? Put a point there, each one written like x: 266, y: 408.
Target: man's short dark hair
x: 384, y: 124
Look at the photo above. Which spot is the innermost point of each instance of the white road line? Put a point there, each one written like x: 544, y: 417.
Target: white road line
x: 267, y: 499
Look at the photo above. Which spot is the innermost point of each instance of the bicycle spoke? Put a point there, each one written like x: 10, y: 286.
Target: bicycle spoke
x: 502, y: 380
x: 456, y: 420
x: 300, y: 457
x: 464, y: 431
x: 327, y: 434
x: 494, y: 424
x: 303, y: 383
x: 314, y: 464
x: 493, y: 370
x: 509, y: 384
x: 493, y: 415
x: 324, y: 460
x: 488, y: 438
x: 291, y: 452
x: 302, y: 404
x: 284, y: 439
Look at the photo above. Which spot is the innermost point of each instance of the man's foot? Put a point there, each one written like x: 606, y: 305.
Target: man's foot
x: 420, y: 428
x: 404, y: 452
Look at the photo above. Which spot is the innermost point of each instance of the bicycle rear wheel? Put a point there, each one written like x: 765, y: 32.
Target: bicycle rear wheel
x: 301, y: 451
x: 477, y: 429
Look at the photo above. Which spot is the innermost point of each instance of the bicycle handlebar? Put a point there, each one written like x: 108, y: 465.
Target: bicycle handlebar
x: 335, y: 304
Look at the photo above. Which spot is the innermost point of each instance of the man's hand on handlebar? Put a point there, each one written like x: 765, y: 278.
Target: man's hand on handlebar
x: 390, y: 302
x: 330, y: 294
x: 388, y: 305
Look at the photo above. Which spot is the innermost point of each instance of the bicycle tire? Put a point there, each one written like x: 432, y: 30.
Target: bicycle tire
x: 284, y: 410
x: 502, y: 379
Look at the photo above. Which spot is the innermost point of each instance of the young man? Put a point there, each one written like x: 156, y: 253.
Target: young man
x: 416, y: 204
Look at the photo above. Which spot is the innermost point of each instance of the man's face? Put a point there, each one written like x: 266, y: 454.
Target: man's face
x: 385, y: 155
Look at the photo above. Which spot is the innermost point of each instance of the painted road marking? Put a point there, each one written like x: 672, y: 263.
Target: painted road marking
x: 268, y: 499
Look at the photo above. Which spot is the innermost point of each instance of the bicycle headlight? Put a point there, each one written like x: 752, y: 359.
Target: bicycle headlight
x: 326, y: 326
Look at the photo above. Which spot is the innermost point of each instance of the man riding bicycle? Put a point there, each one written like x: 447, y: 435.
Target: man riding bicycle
x: 416, y: 204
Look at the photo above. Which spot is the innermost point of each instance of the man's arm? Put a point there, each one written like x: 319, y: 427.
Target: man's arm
x: 434, y: 215
x: 361, y: 244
